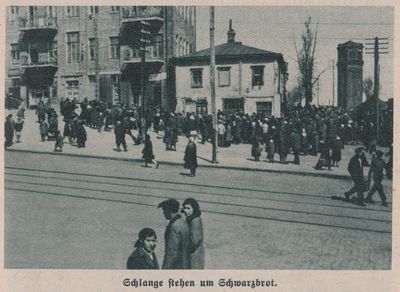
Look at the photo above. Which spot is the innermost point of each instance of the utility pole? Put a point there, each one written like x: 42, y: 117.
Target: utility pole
x: 145, y: 40
x: 333, y: 82
x: 212, y: 84
x: 96, y: 56
x: 376, y: 48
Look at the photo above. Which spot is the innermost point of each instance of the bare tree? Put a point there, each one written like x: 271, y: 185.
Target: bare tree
x: 306, y: 61
x: 368, y: 88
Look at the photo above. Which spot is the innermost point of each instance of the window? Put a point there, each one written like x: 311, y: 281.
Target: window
x: 92, y: 49
x: 257, y: 76
x: 264, y: 108
x: 114, y: 48
x: 114, y: 8
x: 197, y: 78
x: 92, y: 78
x: 93, y: 10
x: 224, y: 76
x: 13, y: 13
x: 72, y: 11
x: 72, y: 47
x: 73, y: 88
x: 14, y: 53
x: 201, y: 107
x: 232, y: 105
x: 158, y: 46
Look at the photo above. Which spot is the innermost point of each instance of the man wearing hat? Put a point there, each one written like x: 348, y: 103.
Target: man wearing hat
x: 377, y: 167
x: 355, y: 168
x: 177, y: 237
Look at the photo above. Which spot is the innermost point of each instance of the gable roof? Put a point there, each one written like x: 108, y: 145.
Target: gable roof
x: 230, y: 51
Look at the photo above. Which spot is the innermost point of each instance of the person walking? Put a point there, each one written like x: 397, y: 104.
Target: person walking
x: 190, y: 157
x: 376, y: 170
x: 355, y: 168
x: 176, y: 237
x: 81, y: 135
x: 147, y: 152
x: 192, y: 212
x: 143, y: 256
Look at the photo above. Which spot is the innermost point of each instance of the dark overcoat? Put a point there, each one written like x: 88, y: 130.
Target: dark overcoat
x: 196, y: 242
x: 190, y: 157
x: 140, y: 260
x: 177, y: 244
x: 147, y: 151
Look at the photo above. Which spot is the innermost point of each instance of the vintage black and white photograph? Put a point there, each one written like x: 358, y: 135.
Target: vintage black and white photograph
x: 198, y: 137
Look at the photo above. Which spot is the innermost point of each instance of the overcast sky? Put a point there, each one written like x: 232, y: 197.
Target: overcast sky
x: 273, y: 29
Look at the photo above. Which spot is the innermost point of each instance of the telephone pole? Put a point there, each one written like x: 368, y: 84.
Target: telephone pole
x: 379, y: 46
x: 212, y: 84
x: 333, y: 81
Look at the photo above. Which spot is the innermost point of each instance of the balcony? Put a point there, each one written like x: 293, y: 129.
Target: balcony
x: 41, y: 64
x: 131, y: 62
x: 40, y: 28
x: 130, y: 22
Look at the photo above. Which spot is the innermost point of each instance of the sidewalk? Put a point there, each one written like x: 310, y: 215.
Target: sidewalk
x: 102, y: 145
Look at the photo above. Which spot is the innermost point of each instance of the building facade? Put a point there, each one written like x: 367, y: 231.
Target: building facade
x: 248, y: 79
x: 91, y: 51
x: 350, y: 75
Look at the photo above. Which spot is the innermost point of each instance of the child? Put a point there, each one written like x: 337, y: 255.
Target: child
x: 18, y: 128
x: 44, y: 129
x: 59, y: 141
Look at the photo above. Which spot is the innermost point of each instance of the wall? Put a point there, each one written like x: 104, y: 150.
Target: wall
x: 238, y: 88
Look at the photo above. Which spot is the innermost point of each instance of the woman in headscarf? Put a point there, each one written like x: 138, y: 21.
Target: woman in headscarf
x: 143, y: 256
x: 190, y: 157
x: 192, y: 211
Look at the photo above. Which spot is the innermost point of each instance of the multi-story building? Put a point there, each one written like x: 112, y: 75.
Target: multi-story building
x: 91, y: 51
x: 248, y: 79
x: 350, y: 75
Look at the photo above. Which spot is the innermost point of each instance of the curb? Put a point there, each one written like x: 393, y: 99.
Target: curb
x: 230, y: 167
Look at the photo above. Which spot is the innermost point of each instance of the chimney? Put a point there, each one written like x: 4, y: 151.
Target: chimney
x: 231, y: 33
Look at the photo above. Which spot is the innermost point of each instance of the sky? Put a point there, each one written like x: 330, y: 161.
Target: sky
x: 274, y: 28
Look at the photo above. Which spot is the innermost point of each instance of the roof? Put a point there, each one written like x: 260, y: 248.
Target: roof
x: 232, y: 51
x: 350, y: 44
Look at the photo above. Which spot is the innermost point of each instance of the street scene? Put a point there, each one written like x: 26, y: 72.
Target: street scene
x: 179, y: 138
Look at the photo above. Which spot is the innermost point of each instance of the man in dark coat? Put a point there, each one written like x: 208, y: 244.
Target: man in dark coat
x: 190, y: 157
x: 177, y: 237
x: 355, y: 168
x: 376, y: 170
x: 81, y: 135
x: 9, y: 128
x: 119, y: 131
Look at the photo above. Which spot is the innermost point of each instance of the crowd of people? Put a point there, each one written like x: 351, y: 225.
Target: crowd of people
x: 183, y: 239
x: 322, y: 131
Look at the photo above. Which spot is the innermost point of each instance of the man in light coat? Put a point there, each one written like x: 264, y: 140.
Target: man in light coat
x: 177, y: 237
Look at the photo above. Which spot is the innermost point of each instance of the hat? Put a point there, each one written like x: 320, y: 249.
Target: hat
x: 359, y: 149
x: 171, y: 205
x: 379, y: 153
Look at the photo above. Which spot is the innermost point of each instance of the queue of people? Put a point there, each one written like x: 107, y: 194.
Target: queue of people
x: 183, y: 238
